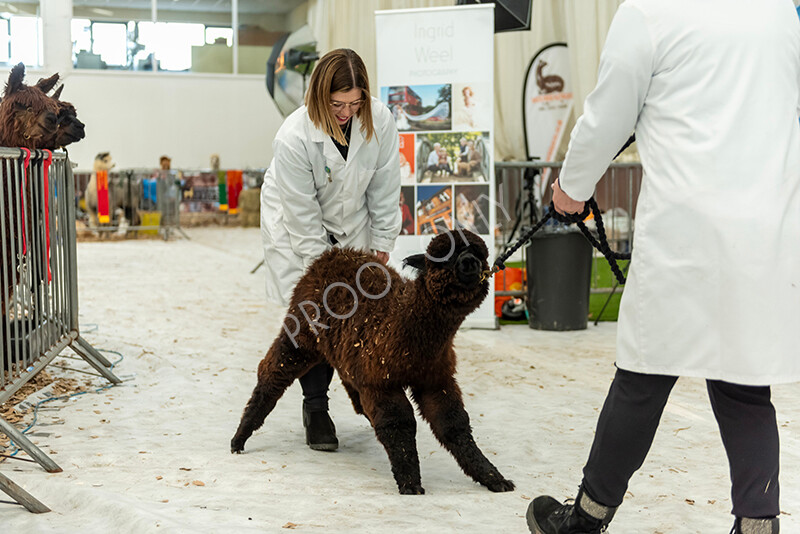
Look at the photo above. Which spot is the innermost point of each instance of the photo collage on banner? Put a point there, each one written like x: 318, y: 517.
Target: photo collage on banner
x: 445, y: 155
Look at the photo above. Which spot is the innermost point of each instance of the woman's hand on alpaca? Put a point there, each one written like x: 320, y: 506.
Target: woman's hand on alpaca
x: 383, y: 256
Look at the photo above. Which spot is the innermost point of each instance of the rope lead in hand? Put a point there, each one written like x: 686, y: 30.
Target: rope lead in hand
x: 601, y: 244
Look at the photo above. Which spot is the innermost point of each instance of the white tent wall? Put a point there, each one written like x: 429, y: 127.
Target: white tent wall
x: 583, y: 26
x: 140, y: 117
x: 513, y: 53
x: 587, y: 25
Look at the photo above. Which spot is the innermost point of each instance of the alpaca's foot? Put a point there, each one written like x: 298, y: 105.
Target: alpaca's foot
x: 237, y: 445
x: 501, y: 485
x: 411, y: 489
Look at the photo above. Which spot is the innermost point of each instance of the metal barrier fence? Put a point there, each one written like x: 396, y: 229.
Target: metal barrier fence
x: 519, y: 205
x: 139, y: 200
x: 38, y: 276
x: 152, y: 200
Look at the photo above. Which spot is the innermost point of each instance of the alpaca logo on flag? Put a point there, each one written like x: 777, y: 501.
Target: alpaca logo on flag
x: 548, y: 84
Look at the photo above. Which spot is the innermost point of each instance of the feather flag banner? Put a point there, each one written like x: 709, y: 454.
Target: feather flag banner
x: 103, y: 214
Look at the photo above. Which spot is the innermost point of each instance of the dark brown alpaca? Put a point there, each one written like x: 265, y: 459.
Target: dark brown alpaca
x: 27, y: 115
x: 69, y: 129
x: 385, y: 335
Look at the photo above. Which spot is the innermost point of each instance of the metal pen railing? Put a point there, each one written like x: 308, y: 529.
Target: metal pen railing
x: 137, y: 200
x: 38, y: 276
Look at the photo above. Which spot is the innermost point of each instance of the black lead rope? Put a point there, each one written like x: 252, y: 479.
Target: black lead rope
x: 600, y: 244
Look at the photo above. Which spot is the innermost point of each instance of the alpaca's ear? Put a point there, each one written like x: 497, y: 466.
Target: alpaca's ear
x: 416, y: 261
x: 46, y: 84
x: 14, y: 83
x: 57, y: 94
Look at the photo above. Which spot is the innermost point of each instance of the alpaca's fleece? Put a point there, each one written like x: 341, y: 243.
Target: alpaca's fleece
x: 27, y: 115
x: 385, y: 335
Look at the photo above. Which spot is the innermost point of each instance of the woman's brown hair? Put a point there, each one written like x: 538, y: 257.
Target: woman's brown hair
x: 338, y: 70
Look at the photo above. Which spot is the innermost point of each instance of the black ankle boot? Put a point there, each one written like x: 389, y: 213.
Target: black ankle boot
x: 746, y: 525
x: 320, y: 431
x: 585, y: 516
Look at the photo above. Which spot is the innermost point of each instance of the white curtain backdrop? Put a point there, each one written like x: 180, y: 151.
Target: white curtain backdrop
x: 582, y: 24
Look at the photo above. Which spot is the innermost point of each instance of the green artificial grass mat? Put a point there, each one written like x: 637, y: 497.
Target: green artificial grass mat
x: 603, y: 277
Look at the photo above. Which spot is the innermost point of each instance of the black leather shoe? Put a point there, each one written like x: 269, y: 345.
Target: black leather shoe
x: 320, y: 431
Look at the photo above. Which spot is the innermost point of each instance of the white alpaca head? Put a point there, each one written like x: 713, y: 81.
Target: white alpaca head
x: 102, y: 162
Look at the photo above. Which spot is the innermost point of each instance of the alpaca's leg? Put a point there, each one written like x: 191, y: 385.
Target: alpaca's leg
x: 355, y: 398
x: 392, y: 417
x: 444, y: 410
x: 282, y: 365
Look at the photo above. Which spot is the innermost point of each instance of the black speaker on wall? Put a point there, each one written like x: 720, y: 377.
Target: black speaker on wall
x: 509, y: 15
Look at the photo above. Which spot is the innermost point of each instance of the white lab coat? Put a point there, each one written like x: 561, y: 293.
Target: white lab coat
x: 712, y: 89
x: 302, y: 203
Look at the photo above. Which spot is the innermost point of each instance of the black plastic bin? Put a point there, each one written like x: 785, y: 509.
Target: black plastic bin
x: 559, y: 264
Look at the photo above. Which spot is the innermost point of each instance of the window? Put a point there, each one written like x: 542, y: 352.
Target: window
x: 216, y: 35
x: 110, y: 42
x: 5, y: 41
x: 169, y: 44
x: 178, y: 35
x: 21, y: 33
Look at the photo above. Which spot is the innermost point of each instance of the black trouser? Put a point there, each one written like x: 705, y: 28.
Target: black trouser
x: 628, y: 423
x: 315, y: 387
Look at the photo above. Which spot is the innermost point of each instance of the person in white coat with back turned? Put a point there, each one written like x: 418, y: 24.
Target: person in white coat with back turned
x: 334, y: 180
x: 711, y: 89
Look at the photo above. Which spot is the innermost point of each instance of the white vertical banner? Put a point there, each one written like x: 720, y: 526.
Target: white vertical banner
x: 436, y: 75
x: 547, y: 105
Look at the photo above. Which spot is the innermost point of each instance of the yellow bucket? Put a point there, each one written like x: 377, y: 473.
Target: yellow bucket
x: 150, y: 218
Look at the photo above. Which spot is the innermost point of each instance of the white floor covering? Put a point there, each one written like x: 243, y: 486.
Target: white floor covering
x: 152, y: 455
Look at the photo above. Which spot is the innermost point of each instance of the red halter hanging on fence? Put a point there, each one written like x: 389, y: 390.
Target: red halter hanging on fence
x: 25, y: 160
x: 46, y: 190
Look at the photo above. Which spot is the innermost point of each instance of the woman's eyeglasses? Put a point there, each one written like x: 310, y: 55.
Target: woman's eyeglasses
x: 339, y: 106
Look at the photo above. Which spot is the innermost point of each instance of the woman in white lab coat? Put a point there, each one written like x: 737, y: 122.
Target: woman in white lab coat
x: 711, y: 89
x: 334, y: 180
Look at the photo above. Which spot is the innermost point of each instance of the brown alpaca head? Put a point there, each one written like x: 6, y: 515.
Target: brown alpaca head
x: 27, y: 115
x: 452, y: 269
x: 69, y: 129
